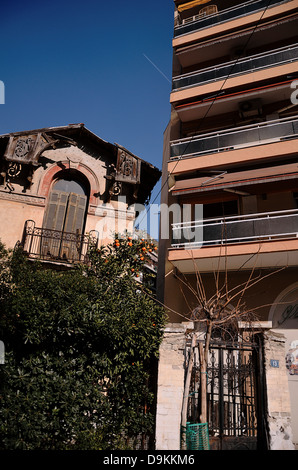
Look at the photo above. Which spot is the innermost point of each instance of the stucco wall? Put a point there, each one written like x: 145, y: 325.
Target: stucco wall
x: 171, y: 373
x: 170, y: 388
x: 20, y: 204
x: 278, y: 397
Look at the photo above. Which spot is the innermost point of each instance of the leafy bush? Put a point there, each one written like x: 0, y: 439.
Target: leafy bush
x: 81, y: 347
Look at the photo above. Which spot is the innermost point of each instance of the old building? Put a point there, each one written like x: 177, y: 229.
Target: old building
x: 62, y: 188
x: 230, y: 164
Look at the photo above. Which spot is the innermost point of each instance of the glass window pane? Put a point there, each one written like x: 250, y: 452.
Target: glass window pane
x: 69, y: 186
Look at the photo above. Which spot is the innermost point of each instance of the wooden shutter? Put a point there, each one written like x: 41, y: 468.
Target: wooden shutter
x: 56, y: 210
x: 54, y: 221
x: 74, y: 222
x: 74, y: 219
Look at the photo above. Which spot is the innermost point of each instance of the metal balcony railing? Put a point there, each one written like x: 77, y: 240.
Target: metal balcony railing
x: 52, y: 245
x: 237, y: 67
x: 235, y: 138
x: 236, y: 229
x: 223, y: 16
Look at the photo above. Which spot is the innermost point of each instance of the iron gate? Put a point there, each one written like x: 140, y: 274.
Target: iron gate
x: 235, y: 396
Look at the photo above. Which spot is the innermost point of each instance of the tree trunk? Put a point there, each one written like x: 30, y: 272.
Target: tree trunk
x: 203, y: 370
x: 203, y: 351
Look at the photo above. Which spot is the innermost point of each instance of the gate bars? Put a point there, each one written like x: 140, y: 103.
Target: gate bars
x: 234, y: 391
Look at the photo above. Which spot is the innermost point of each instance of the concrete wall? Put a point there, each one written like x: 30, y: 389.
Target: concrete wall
x: 278, y: 397
x: 170, y: 388
x: 171, y: 373
x: 19, y: 205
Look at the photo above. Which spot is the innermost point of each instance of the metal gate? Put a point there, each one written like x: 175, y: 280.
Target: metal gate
x: 235, y: 396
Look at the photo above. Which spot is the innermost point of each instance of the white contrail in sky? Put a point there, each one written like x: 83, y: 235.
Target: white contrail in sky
x: 157, y: 68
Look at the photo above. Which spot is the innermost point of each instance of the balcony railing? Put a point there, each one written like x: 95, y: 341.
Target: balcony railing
x: 52, y: 245
x: 240, y: 137
x: 236, y: 229
x: 225, y: 15
x: 240, y: 67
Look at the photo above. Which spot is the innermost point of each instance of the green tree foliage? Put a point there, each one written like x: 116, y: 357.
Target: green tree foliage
x: 80, y: 351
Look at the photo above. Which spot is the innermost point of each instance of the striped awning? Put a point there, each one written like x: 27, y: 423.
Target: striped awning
x: 194, y: 3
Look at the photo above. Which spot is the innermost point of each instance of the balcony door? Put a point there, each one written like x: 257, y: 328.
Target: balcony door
x: 64, y: 220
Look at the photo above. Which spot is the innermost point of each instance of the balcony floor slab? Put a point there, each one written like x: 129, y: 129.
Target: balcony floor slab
x: 265, y: 255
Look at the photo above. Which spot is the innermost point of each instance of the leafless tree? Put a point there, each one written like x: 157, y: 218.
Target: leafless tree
x: 216, y: 314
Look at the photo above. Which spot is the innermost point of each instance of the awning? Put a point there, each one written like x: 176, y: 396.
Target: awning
x: 187, y: 6
x: 230, y: 180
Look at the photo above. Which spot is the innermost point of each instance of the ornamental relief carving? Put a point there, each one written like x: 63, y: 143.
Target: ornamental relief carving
x: 33, y: 200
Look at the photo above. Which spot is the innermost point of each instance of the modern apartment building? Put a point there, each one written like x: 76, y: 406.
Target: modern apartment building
x: 231, y: 165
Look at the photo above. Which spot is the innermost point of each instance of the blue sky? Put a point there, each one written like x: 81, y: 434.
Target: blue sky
x: 89, y: 61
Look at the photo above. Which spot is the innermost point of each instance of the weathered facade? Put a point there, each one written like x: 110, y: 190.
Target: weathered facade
x: 230, y: 166
x: 62, y: 188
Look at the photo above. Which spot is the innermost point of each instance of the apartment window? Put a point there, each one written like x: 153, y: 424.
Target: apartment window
x: 220, y: 209
x: 295, y: 196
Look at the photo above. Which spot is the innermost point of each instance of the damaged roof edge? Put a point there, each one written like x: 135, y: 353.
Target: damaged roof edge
x: 81, y: 128
x: 44, y: 129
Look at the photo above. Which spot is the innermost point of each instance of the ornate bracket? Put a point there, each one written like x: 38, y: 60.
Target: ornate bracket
x: 126, y: 171
x: 26, y: 149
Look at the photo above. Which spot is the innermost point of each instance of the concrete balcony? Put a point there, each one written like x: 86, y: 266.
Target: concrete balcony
x: 270, y: 138
x: 266, y: 240
x: 236, y: 229
x: 246, y: 14
x: 239, y: 137
x: 233, y: 74
x: 197, y: 23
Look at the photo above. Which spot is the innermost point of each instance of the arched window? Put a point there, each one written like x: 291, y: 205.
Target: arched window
x: 65, y: 215
x: 67, y: 203
x: 69, y: 185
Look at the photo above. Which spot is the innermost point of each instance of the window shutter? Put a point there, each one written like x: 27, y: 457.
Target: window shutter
x: 74, y: 222
x: 74, y: 219
x: 54, y: 220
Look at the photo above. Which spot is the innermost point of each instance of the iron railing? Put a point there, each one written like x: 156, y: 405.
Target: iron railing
x: 237, y: 67
x: 235, y: 138
x: 225, y: 15
x: 53, y: 245
x: 236, y: 229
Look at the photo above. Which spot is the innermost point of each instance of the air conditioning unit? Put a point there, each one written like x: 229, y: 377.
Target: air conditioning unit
x: 250, y: 108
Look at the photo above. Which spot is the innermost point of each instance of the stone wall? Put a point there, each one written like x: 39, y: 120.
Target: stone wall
x: 170, y: 388
x: 171, y: 374
x: 278, y: 397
